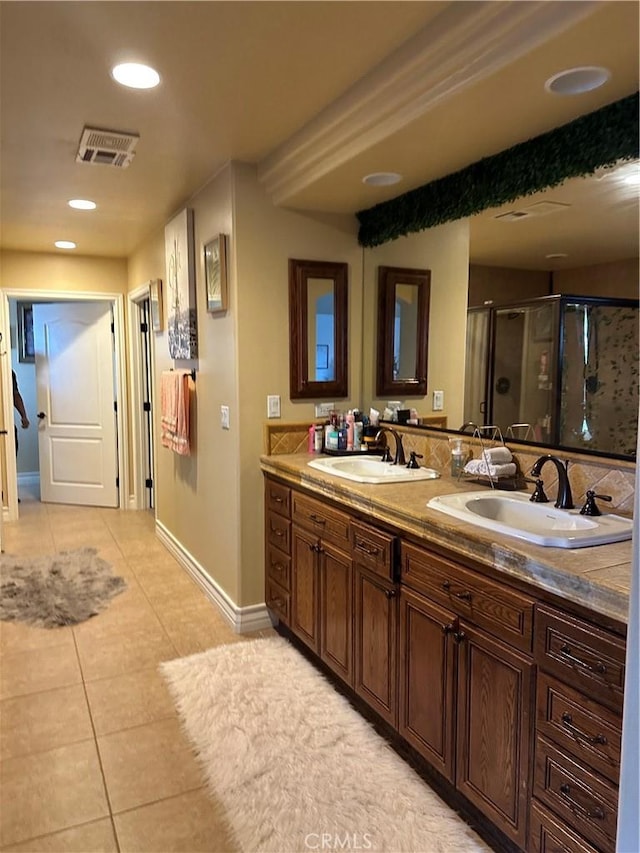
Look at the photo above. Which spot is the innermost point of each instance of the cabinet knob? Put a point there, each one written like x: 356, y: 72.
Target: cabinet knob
x: 390, y: 593
x: 448, y: 629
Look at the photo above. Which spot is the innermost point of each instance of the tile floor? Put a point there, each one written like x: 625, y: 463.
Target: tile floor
x: 91, y: 753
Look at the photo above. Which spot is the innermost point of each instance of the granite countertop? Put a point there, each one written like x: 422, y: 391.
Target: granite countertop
x: 598, y: 578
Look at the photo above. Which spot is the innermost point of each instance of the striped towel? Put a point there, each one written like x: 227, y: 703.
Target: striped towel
x: 174, y: 408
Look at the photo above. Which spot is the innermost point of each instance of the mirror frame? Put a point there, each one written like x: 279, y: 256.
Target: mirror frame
x: 388, y: 278
x: 300, y: 386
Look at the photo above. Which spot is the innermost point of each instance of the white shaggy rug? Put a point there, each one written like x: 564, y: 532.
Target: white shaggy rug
x: 295, y: 767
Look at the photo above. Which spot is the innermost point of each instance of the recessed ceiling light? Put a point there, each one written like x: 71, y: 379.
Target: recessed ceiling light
x: 65, y: 244
x: 382, y: 179
x: 82, y: 204
x: 135, y: 75
x: 556, y: 256
x: 575, y: 81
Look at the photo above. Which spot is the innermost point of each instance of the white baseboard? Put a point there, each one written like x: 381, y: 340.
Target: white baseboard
x: 242, y: 619
x: 29, y: 478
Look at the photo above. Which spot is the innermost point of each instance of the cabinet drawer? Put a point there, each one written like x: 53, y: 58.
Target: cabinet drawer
x: 279, y: 567
x: 279, y: 532
x: 372, y: 549
x: 581, y: 655
x: 587, y: 802
x: 278, y: 600
x: 582, y: 727
x: 330, y: 524
x: 501, y: 611
x: 548, y: 834
x: 278, y: 498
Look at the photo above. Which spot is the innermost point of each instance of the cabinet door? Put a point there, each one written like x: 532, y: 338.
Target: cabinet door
x: 304, y: 587
x: 376, y: 611
x: 427, y: 680
x: 336, y: 611
x: 494, y: 729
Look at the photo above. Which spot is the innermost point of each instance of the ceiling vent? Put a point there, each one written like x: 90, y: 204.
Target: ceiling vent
x: 108, y: 147
x: 540, y: 208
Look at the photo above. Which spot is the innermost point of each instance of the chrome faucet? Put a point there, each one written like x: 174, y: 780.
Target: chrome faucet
x: 399, y: 457
x: 564, y: 499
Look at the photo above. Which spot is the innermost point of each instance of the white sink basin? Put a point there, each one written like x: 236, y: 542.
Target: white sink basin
x: 542, y: 524
x: 371, y: 470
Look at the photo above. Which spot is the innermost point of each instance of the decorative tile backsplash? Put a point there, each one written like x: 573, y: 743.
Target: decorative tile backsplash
x: 605, y: 476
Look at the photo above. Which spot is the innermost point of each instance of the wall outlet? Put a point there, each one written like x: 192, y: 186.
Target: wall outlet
x: 323, y: 410
x: 438, y: 401
x: 224, y: 417
x: 273, y: 406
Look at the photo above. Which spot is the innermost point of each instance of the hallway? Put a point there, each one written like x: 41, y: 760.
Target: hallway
x: 91, y: 753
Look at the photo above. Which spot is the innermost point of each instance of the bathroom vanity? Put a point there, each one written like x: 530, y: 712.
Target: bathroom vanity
x: 500, y: 663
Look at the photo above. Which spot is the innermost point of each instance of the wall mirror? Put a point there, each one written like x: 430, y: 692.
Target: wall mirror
x: 318, y: 329
x: 403, y: 332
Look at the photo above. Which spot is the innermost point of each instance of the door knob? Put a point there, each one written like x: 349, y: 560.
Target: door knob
x: 41, y: 416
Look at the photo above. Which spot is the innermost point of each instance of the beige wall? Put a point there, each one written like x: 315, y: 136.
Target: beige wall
x: 212, y: 502
x: 502, y: 284
x: 41, y: 271
x: 445, y: 251
x: 618, y: 279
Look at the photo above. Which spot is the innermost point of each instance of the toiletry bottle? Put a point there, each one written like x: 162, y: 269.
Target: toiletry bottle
x: 357, y: 435
x: 350, y: 431
x: 311, y: 447
x: 318, y: 438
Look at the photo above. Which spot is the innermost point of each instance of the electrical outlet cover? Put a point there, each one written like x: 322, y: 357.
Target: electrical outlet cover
x: 224, y: 417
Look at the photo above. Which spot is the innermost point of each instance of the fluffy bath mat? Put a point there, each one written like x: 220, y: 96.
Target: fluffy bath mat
x: 294, y: 766
x: 58, y: 589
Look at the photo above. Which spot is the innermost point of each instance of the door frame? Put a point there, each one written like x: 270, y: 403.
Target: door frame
x: 138, y: 497
x: 120, y: 375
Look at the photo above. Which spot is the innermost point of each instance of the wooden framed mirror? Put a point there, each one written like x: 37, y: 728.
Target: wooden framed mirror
x: 403, y: 332
x: 318, y: 329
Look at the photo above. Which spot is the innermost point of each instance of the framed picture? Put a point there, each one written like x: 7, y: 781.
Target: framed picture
x: 215, y: 273
x: 26, y: 350
x: 155, y: 304
x: 180, y: 280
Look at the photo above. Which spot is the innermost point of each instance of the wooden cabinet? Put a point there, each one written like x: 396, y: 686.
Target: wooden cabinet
x: 376, y: 619
x: 322, y: 583
x: 578, y: 726
x: 466, y: 697
x: 278, y: 549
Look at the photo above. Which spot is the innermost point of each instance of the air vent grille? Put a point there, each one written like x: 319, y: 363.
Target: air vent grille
x: 540, y: 208
x: 107, y: 147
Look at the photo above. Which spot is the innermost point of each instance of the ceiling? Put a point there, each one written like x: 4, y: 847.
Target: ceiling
x: 316, y: 94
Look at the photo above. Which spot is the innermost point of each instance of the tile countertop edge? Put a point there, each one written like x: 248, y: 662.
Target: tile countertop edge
x: 535, y: 565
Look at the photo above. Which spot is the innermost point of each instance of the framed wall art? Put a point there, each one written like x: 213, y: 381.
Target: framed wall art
x: 155, y: 304
x: 215, y: 273
x: 180, y: 279
x: 26, y: 349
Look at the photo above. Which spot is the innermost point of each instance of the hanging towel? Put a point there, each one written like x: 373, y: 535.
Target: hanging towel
x: 174, y: 403
x: 497, y: 455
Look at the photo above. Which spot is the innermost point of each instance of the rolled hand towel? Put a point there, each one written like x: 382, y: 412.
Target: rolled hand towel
x: 497, y: 455
x: 495, y: 472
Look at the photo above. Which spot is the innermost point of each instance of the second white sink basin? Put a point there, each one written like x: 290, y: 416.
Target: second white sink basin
x: 365, y: 469
x: 542, y: 524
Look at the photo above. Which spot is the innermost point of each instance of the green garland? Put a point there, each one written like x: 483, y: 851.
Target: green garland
x: 573, y: 150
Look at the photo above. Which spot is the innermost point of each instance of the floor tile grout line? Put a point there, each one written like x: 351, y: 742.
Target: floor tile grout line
x: 55, y: 832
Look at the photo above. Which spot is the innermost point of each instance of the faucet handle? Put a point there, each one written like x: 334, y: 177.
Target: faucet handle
x: 590, y: 507
x: 386, y: 454
x: 538, y: 496
x: 413, y: 456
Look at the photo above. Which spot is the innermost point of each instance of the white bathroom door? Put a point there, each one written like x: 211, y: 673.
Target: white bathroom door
x: 75, y: 391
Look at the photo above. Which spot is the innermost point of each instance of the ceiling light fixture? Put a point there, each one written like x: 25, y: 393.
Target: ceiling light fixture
x: 65, y: 244
x: 82, y: 204
x: 556, y: 256
x: 382, y: 179
x: 135, y: 75
x: 575, y: 81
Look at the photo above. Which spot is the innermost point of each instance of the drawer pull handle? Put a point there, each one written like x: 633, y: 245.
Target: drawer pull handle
x: 277, y: 603
x: 463, y: 596
x: 597, y: 812
x: 276, y: 499
x: 277, y: 567
x: 599, y: 667
x: 362, y: 546
x: 567, y: 722
x: 277, y: 532
x: 317, y: 519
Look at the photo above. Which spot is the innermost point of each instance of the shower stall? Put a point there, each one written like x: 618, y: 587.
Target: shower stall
x: 557, y: 370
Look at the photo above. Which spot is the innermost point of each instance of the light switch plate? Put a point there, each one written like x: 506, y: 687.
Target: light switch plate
x: 273, y: 405
x: 323, y: 410
x: 438, y: 401
x: 224, y: 417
